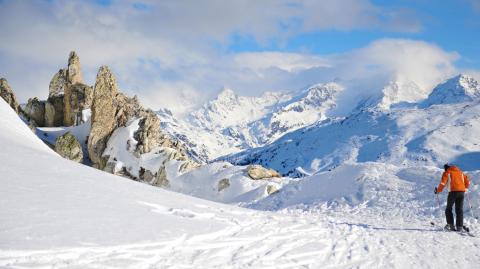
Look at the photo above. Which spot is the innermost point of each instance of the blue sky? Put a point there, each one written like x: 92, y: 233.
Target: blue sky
x: 453, y: 25
x: 180, y: 53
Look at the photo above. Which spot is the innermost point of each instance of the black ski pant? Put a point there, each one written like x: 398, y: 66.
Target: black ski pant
x: 455, y: 197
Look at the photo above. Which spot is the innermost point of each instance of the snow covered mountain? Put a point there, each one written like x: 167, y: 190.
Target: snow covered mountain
x: 231, y: 123
x: 459, y: 89
x: 435, y: 131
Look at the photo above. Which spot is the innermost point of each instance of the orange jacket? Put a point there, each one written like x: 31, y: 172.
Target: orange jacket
x: 458, y: 180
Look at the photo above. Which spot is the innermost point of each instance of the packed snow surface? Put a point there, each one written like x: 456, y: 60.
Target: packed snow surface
x: 55, y: 213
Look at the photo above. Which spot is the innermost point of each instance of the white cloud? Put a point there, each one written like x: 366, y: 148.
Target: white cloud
x: 172, y: 53
x: 290, y: 62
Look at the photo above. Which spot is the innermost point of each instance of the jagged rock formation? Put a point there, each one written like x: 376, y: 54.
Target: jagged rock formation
x: 55, y: 104
x: 148, y: 135
x: 35, y: 110
x: 257, y: 172
x: 57, y: 84
x: 77, y: 95
x: 126, y: 109
x: 68, y: 147
x: 8, y: 95
x: 103, y: 116
x: 74, y: 72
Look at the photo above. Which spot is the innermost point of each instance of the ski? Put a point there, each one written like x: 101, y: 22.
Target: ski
x: 465, y: 232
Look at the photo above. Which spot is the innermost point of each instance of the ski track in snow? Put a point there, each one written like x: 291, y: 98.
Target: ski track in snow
x: 275, y: 240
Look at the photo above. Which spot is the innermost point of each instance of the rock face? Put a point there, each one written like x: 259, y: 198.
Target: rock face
x: 57, y: 84
x: 259, y: 172
x: 68, y: 147
x: 8, y: 95
x: 77, y: 95
x: 148, y: 135
x: 35, y: 110
x: 74, y: 73
x: 103, y: 116
x: 54, y: 111
x: 127, y: 108
x: 55, y: 105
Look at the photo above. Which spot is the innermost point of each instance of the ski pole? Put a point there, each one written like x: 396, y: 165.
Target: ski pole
x: 438, y: 203
x: 470, y: 205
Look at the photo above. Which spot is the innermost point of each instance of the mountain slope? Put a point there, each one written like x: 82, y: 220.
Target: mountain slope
x: 459, y: 89
x: 431, y: 135
x: 231, y: 123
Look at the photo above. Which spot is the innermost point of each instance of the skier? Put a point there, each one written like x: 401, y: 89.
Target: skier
x: 458, y: 185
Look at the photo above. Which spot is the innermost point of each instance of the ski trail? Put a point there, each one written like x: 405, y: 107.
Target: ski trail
x: 265, y: 240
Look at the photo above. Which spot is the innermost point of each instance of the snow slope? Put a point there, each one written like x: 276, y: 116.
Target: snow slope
x: 59, y: 214
x: 231, y: 123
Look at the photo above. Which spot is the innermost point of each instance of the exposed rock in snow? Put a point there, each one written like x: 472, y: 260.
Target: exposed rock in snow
x: 103, y: 116
x: 74, y: 72
x: 35, y: 110
x: 58, y: 83
x: 69, y: 148
x: 7, y: 94
x: 223, y: 184
x: 259, y: 172
x: 54, y: 110
x: 148, y: 134
x: 127, y: 108
x: 78, y: 97
x: 127, y: 153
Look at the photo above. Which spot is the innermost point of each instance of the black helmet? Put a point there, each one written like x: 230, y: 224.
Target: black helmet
x: 446, y: 166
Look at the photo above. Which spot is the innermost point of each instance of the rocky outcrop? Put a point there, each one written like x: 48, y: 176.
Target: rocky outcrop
x: 77, y: 95
x: 257, y: 172
x: 161, y: 179
x: 57, y: 84
x: 35, y: 110
x: 68, y: 147
x: 74, y: 72
x: 148, y: 135
x: 127, y: 108
x: 223, y: 184
x: 103, y: 116
x: 54, y: 111
x: 54, y: 106
x: 7, y: 94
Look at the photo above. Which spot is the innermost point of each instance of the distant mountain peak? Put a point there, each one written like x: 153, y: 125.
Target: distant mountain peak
x: 226, y: 94
x: 461, y: 88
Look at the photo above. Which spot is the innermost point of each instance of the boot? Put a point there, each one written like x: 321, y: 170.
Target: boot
x: 450, y: 227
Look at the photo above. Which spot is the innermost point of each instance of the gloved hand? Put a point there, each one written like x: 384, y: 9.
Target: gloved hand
x: 466, y: 190
x: 435, y: 191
